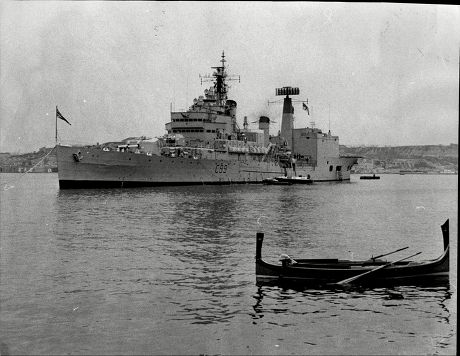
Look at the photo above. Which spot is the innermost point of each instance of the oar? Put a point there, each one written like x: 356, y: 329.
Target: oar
x: 352, y: 279
x: 389, y: 253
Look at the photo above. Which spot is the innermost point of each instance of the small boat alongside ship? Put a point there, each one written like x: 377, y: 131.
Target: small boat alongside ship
x: 370, y: 177
x: 287, y: 180
x: 295, y: 180
x: 274, y: 181
x: 206, y: 145
x: 338, y: 272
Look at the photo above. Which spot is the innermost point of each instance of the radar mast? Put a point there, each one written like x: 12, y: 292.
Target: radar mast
x: 219, y: 77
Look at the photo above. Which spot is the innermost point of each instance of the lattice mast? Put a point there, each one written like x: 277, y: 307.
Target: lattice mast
x: 220, y: 78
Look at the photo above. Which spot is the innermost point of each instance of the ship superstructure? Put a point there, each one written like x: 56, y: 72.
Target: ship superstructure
x: 205, y: 145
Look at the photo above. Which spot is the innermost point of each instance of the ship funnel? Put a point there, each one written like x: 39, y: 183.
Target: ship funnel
x: 287, y: 121
x: 264, y: 124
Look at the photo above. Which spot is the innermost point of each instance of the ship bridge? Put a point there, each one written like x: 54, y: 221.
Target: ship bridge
x: 211, y: 116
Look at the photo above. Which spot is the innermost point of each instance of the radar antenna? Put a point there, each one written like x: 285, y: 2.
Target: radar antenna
x: 219, y: 77
x: 290, y: 91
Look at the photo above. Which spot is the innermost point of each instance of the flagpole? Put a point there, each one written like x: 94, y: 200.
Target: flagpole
x: 56, y: 128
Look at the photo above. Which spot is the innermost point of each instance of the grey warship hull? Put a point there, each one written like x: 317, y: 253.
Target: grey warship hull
x: 91, y: 167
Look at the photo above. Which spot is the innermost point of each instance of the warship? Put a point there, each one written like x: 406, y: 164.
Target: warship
x: 205, y: 145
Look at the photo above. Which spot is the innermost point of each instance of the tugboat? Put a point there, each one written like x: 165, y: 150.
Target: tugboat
x: 205, y: 145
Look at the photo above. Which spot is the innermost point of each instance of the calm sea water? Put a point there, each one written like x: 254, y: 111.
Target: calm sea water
x: 171, y: 270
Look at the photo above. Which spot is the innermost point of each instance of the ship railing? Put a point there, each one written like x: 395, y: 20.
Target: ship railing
x: 306, y: 163
x: 186, y: 152
x: 239, y: 146
x: 77, y: 143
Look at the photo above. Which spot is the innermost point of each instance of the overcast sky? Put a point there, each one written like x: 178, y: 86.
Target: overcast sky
x: 376, y: 74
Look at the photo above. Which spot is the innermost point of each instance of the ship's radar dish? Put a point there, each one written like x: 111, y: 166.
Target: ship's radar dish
x: 287, y: 91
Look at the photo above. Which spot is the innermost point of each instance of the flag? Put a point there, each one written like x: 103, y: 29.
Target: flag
x: 305, y: 107
x: 59, y: 115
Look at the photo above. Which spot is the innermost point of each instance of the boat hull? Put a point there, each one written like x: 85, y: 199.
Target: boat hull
x: 294, y: 180
x: 428, y: 272
x: 91, y: 167
x: 326, y: 272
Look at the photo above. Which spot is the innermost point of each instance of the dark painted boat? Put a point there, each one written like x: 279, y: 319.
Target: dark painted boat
x: 337, y: 272
x: 369, y: 177
x: 295, y: 180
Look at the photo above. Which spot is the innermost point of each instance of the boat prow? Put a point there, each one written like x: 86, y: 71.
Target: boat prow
x: 372, y: 272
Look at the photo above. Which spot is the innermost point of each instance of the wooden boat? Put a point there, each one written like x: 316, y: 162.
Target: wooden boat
x: 337, y: 272
x: 370, y: 177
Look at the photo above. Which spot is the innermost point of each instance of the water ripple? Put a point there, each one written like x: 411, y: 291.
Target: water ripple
x: 171, y: 270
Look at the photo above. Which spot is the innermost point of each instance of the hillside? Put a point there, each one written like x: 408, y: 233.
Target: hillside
x: 401, y: 152
x: 41, y: 161
x: 428, y: 158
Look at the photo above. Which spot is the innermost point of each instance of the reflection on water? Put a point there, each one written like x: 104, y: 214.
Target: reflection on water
x: 284, y: 306
x: 189, y: 237
x: 407, y: 296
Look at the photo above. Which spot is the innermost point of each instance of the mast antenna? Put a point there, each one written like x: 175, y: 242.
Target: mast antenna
x: 219, y: 77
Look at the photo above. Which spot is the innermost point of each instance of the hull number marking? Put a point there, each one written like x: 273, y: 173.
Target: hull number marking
x: 221, y: 168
